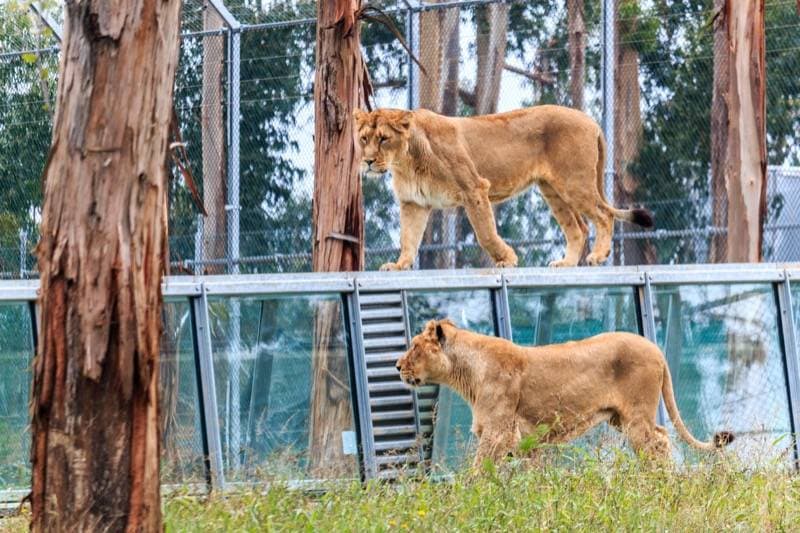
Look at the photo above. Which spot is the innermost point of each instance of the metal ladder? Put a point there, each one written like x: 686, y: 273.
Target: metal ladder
x: 401, y: 418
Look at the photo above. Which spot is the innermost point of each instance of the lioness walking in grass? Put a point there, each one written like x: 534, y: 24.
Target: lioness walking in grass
x: 617, y: 378
x: 439, y: 162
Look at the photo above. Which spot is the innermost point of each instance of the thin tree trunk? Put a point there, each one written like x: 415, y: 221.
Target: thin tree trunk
x: 95, y: 451
x: 340, y: 87
x: 577, y: 51
x: 213, y: 138
x: 440, y: 54
x: 492, y: 29
x: 738, y: 133
x: 628, y: 133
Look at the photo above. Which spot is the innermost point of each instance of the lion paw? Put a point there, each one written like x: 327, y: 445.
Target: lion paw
x: 506, y: 264
x: 388, y: 267
x: 594, y: 259
x: 562, y: 263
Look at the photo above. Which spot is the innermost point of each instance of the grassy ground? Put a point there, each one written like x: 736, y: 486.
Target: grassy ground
x: 623, y: 496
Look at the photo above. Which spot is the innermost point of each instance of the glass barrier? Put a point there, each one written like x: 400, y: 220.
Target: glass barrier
x: 453, y: 443
x: 284, y: 401
x: 16, y: 355
x: 182, y: 448
x: 723, y: 348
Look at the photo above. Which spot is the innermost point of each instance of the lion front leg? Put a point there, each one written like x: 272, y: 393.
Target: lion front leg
x: 497, y: 441
x: 413, y: 219
x: 481, y: 216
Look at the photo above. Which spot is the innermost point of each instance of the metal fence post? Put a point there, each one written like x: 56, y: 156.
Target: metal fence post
x: 791, y: 362
x: 500, y: 310
x: 207, y: 391
x: 361, y: 405
x: 412, y: 37
x: 647, y: 324
x: 198, y: 247
x: 23, y: 253
x: 609, y: 98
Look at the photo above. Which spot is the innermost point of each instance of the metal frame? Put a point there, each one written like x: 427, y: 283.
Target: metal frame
x: 198, y: 289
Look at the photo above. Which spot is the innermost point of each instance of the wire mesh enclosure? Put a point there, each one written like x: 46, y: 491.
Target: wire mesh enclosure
x: 244, y: 98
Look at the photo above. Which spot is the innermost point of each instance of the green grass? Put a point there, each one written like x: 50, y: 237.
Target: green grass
x: 617, y: 495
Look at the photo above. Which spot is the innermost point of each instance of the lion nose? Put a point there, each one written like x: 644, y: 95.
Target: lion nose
x: 397, y: 366
x: 369, y: 162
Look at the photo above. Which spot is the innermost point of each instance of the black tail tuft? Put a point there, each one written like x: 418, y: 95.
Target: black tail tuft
x: 642, y: 217
x: 723, y: 438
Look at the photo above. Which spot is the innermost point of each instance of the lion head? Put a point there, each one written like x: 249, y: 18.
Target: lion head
x: 426, y: 360
x: 382, y: 135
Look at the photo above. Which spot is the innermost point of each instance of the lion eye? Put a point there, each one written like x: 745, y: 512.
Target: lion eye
x: 364, y: 139
x: 383, y: 139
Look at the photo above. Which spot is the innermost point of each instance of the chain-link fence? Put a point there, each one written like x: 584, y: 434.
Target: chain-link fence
x: 244, y: 98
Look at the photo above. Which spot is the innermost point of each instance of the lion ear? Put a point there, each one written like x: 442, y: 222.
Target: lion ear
x: 359, y: 116
x: 405, y: 120
x: 440, y: 336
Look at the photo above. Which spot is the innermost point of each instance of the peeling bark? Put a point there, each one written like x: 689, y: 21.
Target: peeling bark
x: 103, y: 249
x: 340, y: 88
x: 738, y: 133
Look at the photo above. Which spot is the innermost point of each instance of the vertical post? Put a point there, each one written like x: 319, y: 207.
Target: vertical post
x: 207, y: 388
x: 412, y: 38
x: 361, y: 400
x: 790, y: 358
x: 609, y: 97
x: 197, y: 268
x: 500, y: 311
x: 23, y: 253
x: 647, y: 327
x: 233, y: 207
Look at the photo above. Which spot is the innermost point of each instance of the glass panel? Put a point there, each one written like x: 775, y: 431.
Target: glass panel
x: 284, y: 407
x: 453, y: 443
x: 723, y: 347
x: 16, y: 354
x: 182, y: 450
x: 553, y: 315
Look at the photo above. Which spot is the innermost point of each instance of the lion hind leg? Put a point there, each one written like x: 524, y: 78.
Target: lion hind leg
x: 649, y: 439
x: 603, y: 221
x: 572, y: 225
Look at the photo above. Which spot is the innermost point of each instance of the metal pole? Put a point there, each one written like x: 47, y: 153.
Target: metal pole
x: 197, y: 268
x: 47, y: 21
x: 412, y: 36
x: 207, y: 392
x: 233, y: 206
x: 791, y: 358
x: 609, y: 96
x: 23, y: 252
x: 502, y: 315
x: 648, y: 328
x: 362, y: 406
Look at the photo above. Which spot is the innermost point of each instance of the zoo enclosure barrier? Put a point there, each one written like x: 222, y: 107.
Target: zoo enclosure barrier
x: 244, y: 96
x: 299, y: 383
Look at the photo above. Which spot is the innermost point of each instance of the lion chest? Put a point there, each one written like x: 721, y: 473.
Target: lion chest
x: 422, y: 191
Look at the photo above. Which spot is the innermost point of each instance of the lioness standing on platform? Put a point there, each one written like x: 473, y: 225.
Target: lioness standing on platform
x: 439, y: 162
x: 617, y: 378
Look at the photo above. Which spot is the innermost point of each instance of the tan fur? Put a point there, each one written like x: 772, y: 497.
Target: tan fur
x: 613, y: 377
x: 439, y: 162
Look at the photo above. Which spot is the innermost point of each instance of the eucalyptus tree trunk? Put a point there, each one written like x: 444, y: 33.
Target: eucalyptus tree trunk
x: 213, y: 138
x: 738, y: 130
x: 95, y: 451
x: 341, y: 86
x: 576, y: 26
x: 628, y: 133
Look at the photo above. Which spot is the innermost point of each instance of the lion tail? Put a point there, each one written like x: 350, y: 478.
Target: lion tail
x: 638, y: 216
x: 721, y: 438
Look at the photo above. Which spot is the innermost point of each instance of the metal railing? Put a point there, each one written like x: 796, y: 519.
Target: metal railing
x: 349, y: 287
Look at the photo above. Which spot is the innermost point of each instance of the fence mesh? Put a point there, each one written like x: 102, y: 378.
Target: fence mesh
x: 480, y: 58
